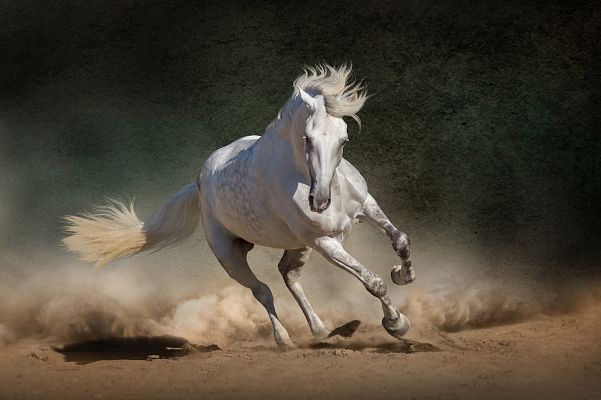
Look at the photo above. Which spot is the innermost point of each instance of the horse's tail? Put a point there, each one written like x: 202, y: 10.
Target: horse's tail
x: 114, y: 230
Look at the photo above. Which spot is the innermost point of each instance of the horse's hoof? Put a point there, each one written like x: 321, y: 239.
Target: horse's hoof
x: 398, y: 328
x: 347, y: 330
x: 283, y: 347
x: 401, y: 275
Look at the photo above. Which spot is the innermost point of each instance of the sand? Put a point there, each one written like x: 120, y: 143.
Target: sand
x: 545, y: 357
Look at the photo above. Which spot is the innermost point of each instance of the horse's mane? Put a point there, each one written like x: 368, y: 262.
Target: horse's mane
x: 342, y: 97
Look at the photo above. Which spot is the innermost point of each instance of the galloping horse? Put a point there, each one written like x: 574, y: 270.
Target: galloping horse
x: 289, y: 189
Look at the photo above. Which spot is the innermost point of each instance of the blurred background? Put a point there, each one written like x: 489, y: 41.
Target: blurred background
x: 481, y: 138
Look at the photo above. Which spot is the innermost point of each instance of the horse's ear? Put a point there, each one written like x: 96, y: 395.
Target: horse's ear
x: 307, y: 99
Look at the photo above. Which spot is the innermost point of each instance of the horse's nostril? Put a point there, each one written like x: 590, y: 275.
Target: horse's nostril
x: 318, y: 206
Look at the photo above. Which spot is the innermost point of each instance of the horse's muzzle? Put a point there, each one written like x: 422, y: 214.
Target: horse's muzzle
x: 319, y: 206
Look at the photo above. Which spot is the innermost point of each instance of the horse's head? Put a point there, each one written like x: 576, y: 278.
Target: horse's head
x: 325, y: 137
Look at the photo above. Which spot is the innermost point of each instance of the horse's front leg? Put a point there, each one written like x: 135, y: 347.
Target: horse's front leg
x: 290, y: 267
x: 331, y: 249
x: 372, y: 213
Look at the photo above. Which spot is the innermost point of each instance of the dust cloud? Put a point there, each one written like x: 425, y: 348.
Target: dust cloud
x: 481, y: 304
x: 71, y: 304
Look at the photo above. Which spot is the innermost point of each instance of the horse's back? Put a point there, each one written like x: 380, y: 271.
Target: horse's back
x: 226, y: 154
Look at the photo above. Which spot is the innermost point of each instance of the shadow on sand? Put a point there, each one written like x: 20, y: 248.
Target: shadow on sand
x: 400, y: 346
x: 347, y: 330
x: 130, y: 348
x: 165, y: 347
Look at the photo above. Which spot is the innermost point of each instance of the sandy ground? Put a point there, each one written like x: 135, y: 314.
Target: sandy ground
x: 546, y: 357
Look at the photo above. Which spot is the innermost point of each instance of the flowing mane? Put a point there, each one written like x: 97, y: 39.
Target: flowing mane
x: 343, y: 97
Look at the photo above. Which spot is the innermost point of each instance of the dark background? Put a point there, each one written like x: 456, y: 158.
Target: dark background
x: 483, y: 128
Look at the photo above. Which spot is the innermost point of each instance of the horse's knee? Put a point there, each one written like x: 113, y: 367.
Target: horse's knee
x: 377, y: 287
x: 401, y: 244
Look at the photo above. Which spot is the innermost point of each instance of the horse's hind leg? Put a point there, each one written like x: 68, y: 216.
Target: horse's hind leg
x: 373, y: 214
x: 290, y: 267
x: 231, y: 253
x: 331, y: 249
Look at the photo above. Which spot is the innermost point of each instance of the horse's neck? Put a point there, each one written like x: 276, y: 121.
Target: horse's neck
x: 290, y: 124
x: 283, y: 138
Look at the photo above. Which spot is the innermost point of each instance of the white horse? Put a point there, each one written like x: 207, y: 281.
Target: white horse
x: 289, y: 189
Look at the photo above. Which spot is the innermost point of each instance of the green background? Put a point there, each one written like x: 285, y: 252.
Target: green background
x: 482, y: 131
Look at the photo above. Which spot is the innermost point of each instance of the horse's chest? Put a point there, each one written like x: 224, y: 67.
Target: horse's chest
x: 307, y: 225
